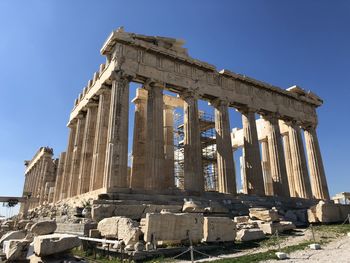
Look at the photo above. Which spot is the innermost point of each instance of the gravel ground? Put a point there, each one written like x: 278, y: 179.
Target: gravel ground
x: 336, y: 251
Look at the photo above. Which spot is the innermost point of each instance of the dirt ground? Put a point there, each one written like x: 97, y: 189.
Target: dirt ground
x: 336, y: 251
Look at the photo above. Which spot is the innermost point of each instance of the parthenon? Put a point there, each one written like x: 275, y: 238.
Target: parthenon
x: 274, y: 162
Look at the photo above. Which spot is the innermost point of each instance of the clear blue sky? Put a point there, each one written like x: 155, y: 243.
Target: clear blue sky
x: 50, y: 49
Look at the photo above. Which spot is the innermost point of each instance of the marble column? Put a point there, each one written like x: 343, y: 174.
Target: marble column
x: 87, y: 148
x: 43, y: 172
x: 59, y: 177
x: 138, y: 168
x: 289, y: 165
x: 277, y: 161
x: 116, y: 167
x: 68, y: 162
x: 169, y: 176
x: 193, y: 169
x: 251, y: 154
x: 225, y: 165
x: 154, y: 179
x: 76, y: 156
x: 301, y: 178
x: 266, y: 168
x: 100, y: 143
x: 318, y: 178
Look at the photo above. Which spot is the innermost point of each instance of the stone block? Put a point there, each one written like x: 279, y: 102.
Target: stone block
x: 120, y: 228
x: 281, y: 255
x: 250, y: 235
x: 315, y: 246
x: 193, y: 207
x: 54, y: 243
x: 328, y: 213
x: 268, y: 215
x: 43, y: 228
x: 16, y: 249
x: 271, y: 227
x: 241, y: 219
x: 20, y: 234
x: 169, y: 226
x: 22, y: 224
x: 94, y: 233
x: 219, y: 229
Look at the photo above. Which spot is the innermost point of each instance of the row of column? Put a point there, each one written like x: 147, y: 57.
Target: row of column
x: 97, y: 153
x: 40, y: 178
x: 153, y: 145
x: 282, y: 170
x: 96, y: 156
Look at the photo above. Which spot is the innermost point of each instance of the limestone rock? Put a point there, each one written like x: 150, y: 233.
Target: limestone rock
x: 20, y: 234
x: 267, y: 215
x: 328, y: 212
x: 120, y: 228
x: 271, y: 227
x: 250, y: 234
x: 241, y: 219
x: 16, y: 249
x: 54, y: 243
x: 43, y: 228
x: 169, y: 226
x: 22, y: 223
x: 193, y: 207
x: 219, y: 229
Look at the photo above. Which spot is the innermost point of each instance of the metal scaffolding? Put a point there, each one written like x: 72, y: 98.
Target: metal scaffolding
x: 208, y: 142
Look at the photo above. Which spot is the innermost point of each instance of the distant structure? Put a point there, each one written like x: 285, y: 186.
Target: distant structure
x: 96, y: 159
x: 342, y: 198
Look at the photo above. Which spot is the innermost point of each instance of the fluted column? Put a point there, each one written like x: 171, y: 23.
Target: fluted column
x: 169, y: 179
x: 289, y: 165
x: 76, y: 156
x: 68, y: 162
x: 301, y: 178
x: 225, y: 163
x: 116, y: 168
x: 251, y: 154
x: 155, y: 138
x: 277, y: 161
x: 318, y: 178
x: 43, y: 172
x: 193, y: 171
x: 100, y: 143
x: 266, y: 168
x: 87, y: 148
x: 138, y: 168
x: 59, y: 177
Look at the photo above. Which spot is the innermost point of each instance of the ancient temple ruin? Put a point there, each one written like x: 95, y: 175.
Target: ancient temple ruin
x: 96, y: 159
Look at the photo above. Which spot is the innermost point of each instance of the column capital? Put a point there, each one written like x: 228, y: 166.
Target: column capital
x: 151, y: 84
x: 309, y: 126
x: 190, y: 93
x: 220, y: 102
x: 246, y: 109
x: 120, y: 75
